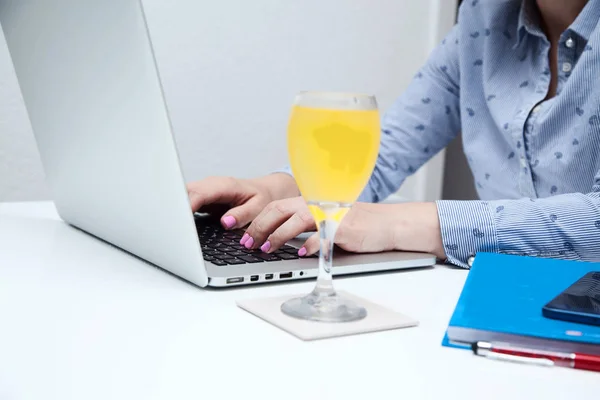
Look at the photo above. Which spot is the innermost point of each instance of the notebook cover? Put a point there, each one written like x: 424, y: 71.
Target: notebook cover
x: 446, y: 342
x: 505, y: 294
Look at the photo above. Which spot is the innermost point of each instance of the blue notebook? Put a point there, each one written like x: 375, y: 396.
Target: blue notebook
x: 502, y: 302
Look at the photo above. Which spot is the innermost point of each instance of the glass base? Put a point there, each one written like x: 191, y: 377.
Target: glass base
x: 324, y: 308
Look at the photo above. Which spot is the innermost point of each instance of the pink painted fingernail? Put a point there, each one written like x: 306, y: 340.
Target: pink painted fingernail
x: 229, y: 222
x: 244, y: 239
x: 249, y: 243
x: 266, y: 246
x: 302, y: 252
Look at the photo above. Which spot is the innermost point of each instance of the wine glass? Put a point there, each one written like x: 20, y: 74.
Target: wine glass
x: 333, y: 141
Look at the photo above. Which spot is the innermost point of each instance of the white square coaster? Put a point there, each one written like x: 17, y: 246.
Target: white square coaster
x: 378, y: 318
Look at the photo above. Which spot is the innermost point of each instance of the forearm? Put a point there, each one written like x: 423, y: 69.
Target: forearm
x: 279, y: 185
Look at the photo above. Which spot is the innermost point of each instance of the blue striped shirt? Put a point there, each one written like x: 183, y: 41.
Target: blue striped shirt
x: 536, y: 163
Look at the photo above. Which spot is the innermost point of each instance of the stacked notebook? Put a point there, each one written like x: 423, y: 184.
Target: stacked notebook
x: 502, y: 302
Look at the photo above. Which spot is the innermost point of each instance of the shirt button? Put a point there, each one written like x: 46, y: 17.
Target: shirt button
x: 536, y: 109
x: 566, y: 67
x: 470, y: 261
x: 523, y: 162
x: 570, y: 43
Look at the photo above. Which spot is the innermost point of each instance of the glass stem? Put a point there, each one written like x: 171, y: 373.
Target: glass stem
x: 327, y: 230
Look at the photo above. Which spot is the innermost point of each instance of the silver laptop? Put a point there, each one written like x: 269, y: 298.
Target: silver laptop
x: 93, y: 93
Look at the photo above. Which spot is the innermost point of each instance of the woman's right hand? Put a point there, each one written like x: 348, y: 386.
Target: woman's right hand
x: 239, y: 201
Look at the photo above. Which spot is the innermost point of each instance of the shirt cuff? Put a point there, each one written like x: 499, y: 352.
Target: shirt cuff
x: 284, y: 170
x: 467, y: 227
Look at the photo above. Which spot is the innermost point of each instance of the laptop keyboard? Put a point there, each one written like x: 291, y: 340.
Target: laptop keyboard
x: 222, y: 247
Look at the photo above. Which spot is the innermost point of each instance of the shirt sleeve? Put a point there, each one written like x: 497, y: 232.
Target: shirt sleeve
x: 564, y: 226
x: 421, y: 122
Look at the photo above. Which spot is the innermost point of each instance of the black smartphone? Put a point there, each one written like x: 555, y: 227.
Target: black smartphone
x: 580, y: 302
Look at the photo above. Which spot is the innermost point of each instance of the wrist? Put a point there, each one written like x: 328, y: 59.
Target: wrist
x: 416, y: 227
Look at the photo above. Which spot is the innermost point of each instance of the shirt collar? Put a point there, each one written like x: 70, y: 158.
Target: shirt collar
x: 530, y: 20
x: 586, y: 21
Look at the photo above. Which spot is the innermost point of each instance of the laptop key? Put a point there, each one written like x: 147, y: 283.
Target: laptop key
x: 219, y: 262
x: 268, y: 257
x: 236, y: 253
x: 291, y: 250
x: 250, y: 259
x: 224, y: 256
x: 231, y: 243
x: 235, y: 261
x: 288, y: 256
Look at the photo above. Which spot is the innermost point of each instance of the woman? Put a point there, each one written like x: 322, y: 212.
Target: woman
x: 518, y: 79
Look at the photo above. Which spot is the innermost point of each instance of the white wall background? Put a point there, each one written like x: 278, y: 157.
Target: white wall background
x: 231, y: 68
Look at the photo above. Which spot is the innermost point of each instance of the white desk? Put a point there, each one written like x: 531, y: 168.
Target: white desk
x: 83, y: 320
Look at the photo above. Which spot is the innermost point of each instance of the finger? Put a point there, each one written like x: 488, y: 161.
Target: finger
x: 240, y: 216
x: 311, y: 246
x: 215, y: 210
x: 298, y: 223
x: 219, y: 190
x: 274, y: 214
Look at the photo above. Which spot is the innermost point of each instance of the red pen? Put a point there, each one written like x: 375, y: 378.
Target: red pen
x: 505, y: 352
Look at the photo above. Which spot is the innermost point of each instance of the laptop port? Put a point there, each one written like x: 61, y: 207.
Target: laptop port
x: 253, y: 278
x: 285, y: 275
x: 268, y: 276
x: 238, y: 279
